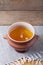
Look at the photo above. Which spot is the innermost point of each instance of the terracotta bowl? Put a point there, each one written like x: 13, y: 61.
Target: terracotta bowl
x: 21, y: 46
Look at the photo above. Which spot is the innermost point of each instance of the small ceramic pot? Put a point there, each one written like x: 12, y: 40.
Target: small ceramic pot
x: 21, y: 46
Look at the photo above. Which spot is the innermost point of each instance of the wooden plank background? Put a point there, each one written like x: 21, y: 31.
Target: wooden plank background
x: 33, y: 17
x: 21, y: 5
x: 21, y: 10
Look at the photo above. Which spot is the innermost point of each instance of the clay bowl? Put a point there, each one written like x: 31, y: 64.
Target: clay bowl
x: 21, y: 46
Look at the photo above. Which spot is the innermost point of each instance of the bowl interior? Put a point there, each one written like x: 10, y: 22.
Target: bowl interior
x: 27, y: 25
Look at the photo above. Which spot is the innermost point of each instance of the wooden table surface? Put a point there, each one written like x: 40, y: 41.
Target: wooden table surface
x: 33, y: 17
x: 21, y: 5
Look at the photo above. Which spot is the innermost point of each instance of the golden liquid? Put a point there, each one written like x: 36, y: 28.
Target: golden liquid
x: 21, y: 33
